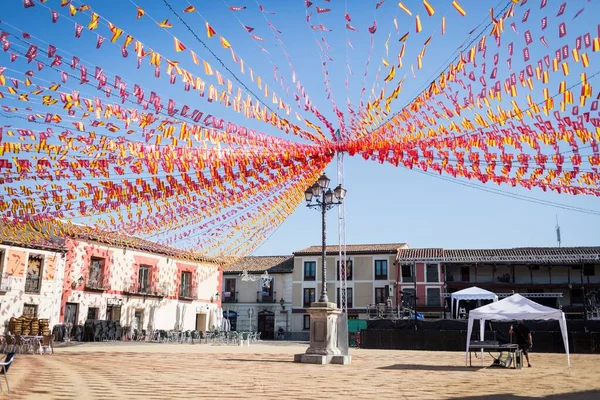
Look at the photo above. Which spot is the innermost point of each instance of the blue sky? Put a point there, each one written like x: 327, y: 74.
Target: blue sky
x: 384, y: 203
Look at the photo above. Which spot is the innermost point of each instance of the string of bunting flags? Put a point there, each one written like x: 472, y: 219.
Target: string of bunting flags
x: 187, y: 147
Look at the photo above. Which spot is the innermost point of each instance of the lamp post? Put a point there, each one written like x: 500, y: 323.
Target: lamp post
x: 324, y: 199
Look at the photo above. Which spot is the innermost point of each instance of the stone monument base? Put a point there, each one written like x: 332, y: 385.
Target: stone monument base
x: 323, y: 347
x: 317, y: 359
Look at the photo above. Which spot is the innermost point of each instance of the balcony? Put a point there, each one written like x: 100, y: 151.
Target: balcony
x: 230, y: 297
x: 33, y: 284
x: 5, y: 284
x: 188, y: 292
x: 97, y: 283
x: 145, y: 290
x: 266, y: 297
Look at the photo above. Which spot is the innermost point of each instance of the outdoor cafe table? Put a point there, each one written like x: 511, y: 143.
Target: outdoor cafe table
x: 493, y: 346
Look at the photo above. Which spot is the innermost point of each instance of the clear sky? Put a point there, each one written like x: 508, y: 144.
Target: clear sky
x: 385, y: 204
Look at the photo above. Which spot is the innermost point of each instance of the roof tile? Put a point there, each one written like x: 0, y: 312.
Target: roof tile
x: 391, y: 248
x: 271, y: 264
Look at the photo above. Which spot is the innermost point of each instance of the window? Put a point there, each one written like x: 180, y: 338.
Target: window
x: 185, y: 286
x: 407, y: 275
x: 381, y: 270
x: 432, y: 273
x: 113, y: 312
x: 95, y: 277
x: 309, y: 296
x: 408, y: 298
x: 434, y: 297
x: 229, y: 293
x: 348, y: 298
x: 576, y: 296
x: 93, y: 313
x: 306, y: 322
x: 589, y: 270
x: 266, y: 292
x: 347, y: 267
x: 380, y: 295
x: 33, y: 279
x: 30, y: 310
x: 143, y: 278
x: 464, y: 274
x: 310, y: 270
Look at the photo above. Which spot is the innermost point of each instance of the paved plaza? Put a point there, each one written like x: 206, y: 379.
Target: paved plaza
x: 265, y: 370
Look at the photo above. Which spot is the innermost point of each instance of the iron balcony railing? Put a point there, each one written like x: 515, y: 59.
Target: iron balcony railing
x: 97, y: 282
x: 32, y: 284
x: 145, y: 289
x: 230, y: 297
x: 266, y: 297
x: 188, y: 292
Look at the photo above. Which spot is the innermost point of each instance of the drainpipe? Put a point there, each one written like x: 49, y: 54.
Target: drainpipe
x: 397, y: 282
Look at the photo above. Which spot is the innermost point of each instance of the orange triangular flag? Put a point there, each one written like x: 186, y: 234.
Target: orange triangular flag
x: 190, y: 9
x: 165, y: 24
x: 225, y: 43
x: 178, y: 45
x: 210, y: 32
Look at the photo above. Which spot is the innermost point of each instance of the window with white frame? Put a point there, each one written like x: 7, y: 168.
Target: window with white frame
x: 346, y: 267
x: 432, y: 273
x: 33, y: 277
x: 308, y: 297
x: 306, y: 322
x: 310, y: 270
x: 348, y: 298
x: 407, y: 273
x: 381, y: 270
x: 380, y: 295
x: 434, y: 297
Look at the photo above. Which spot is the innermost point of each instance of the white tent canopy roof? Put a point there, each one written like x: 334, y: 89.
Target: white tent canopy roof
x: 516, y: 307
x: 472, y: 293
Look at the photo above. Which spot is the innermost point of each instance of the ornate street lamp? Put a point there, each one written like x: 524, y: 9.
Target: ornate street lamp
x: 320, y: 197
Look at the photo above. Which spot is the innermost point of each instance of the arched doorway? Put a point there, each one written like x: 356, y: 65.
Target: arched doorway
x: 266, y: 325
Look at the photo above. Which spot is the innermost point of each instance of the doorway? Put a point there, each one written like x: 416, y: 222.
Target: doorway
x: 201, y: 322
x: 266, y: 325
x: 138, y: 320
x: 71, y: 313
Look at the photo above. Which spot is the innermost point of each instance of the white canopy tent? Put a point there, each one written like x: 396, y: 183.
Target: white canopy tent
x: 472, y: 293
x: 516, y: 307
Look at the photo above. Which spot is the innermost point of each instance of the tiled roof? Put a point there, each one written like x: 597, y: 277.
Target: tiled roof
x: 420, y: 253
x: 271, y: 264
x: 34, y: 238
x: 391, y: 248
x: 519, y: 254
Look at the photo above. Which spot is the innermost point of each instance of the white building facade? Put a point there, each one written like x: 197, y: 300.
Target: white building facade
x: 31, y: 280
x: 257, y: 295
x: 142, y: 289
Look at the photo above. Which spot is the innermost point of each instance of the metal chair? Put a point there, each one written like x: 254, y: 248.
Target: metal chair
x: 5, y: 366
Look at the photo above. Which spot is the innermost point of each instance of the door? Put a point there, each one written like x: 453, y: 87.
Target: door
x: 138, y: 320
x: 71, y: 313
x: 266, y: 325
x: 201, y: 322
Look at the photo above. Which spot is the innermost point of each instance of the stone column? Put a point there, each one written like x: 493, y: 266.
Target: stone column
x: 323, y: 336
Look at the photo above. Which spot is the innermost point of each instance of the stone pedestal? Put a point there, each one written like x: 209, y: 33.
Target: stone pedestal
x: 323, y: 336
